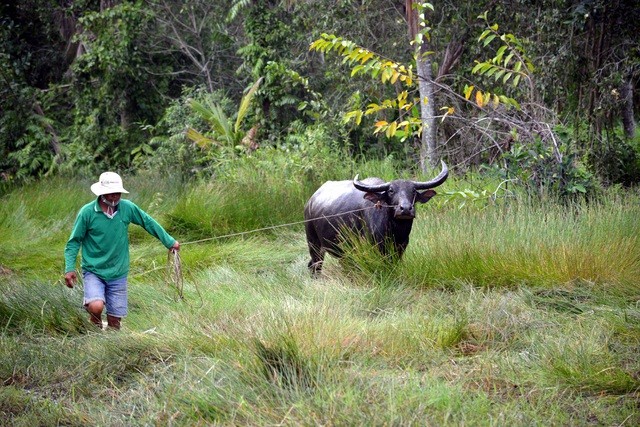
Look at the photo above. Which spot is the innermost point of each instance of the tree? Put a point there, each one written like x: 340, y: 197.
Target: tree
x: 420, y: 35
x: 33, y: 60
x: 405, y: 124
x: 118, y: 83
x: 201, y: 43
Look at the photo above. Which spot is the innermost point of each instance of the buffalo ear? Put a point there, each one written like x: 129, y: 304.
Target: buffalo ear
x: 374, y: 197
x: 425, y: 196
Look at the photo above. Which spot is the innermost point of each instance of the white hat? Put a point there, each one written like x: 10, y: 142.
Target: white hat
x: 110, y: 182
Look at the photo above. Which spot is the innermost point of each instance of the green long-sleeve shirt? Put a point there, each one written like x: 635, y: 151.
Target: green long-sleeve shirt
x: 105, y: 241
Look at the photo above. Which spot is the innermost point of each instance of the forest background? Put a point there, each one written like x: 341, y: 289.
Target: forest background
x: 516, y: 302
x: 538, y: 92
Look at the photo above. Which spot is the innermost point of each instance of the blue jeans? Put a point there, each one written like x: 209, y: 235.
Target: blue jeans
x: 113, y: 293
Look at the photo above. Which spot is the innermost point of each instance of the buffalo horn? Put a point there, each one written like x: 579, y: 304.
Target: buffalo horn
x: 370, y: 188
x: 442, y: 177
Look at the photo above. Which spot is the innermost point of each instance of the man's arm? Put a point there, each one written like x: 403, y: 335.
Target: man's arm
x: 72, y: 248
x: 143, y: 219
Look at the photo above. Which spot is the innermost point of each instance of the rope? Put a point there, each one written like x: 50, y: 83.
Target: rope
x: 174, y: 265
x: 174, y: 273
x: 174, y: 276
x: 378, y: 205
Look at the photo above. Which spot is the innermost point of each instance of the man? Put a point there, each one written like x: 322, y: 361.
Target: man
x: 101, y: 229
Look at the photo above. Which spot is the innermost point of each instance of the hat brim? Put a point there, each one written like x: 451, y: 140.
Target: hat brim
x: 100, y: 190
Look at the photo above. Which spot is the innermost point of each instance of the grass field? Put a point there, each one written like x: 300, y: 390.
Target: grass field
x: 515, y: 313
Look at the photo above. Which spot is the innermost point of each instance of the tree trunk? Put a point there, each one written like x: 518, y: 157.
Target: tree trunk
x: 627, y: 109
x: 428, y: 147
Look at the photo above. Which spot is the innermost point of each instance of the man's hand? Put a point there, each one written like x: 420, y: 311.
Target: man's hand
x: 175, y: 247
x: 70, y: 279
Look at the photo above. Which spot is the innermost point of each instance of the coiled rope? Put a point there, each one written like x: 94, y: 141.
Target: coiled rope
x: 174, y: 272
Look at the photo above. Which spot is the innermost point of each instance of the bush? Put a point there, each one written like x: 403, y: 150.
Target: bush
x: 549, y: 171
x: 617, y: 159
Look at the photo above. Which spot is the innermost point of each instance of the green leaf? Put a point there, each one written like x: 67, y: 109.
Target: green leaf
x: 491, y: 71
x: 477, y: 67
x: 500, y: 53
x: 245, y: 102
x: 489, y: 39
x: 580, y: 188
x: 484, y: 34
x: 507, y: 59
x: 517, y: 67
x: 516, y: 80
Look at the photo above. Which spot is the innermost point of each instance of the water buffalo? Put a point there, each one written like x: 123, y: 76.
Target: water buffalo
x: 383, y: 211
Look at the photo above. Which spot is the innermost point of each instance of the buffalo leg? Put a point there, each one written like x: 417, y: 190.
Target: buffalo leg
x: 317, y: 257
x: 315, y: 249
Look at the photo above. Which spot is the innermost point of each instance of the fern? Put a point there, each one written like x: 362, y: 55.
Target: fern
x: 236, y: 7
x: 223, y: 131
x: 244, y: 104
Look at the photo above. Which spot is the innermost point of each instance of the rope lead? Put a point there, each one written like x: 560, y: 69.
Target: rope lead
x: 174, y: 273
x: 174, y: 265
x: 376, y: 206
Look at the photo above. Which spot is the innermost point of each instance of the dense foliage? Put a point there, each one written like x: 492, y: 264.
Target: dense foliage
x: 224, y: 116
x: 542, y: 89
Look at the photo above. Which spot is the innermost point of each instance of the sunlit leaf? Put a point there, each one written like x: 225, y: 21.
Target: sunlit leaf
x: 507, y: 59
x: 467, y: 91
x: 479, y: 99
x: 489, y: 39
x: 517, y: 67
x: 200, y: 140
x: 516, y: 80
x: 391, y: 130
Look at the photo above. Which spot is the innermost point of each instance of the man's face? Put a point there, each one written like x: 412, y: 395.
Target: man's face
x: 113, y: 198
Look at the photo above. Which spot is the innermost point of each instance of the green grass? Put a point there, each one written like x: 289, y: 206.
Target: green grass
x: 537, y: 245
x: 516, y: 313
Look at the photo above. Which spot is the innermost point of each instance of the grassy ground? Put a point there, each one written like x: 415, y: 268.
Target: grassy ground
x: 512, y: 314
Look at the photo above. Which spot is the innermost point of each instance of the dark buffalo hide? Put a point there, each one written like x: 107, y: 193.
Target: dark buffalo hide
x: 382, y: 211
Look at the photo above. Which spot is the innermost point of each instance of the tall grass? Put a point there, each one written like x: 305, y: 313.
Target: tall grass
x: 513, y: 314
x: 50, y: 310
x: 538, y: 245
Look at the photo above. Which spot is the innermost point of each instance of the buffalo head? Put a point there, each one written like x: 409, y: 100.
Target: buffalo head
x: 401, y: 195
